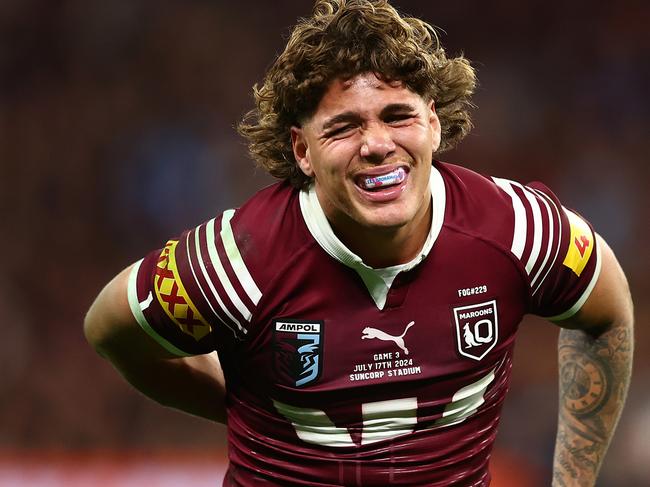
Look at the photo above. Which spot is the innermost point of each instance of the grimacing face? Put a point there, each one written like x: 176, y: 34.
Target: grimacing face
x: 369, y: 146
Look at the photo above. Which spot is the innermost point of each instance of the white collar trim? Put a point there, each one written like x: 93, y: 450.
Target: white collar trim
x: 378, y: 281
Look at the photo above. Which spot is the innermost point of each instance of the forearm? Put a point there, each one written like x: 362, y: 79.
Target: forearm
x: 594, y: 377
x: 194, y: 385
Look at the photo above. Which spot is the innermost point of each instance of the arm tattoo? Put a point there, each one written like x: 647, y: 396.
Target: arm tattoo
x: 594, y: 377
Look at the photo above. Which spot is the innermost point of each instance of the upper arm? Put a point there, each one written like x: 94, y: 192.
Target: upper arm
x: 111, y: 328
x: 572, y: 275
x: 609, y: 302
x: 555, y: 247
x: 191, y: 296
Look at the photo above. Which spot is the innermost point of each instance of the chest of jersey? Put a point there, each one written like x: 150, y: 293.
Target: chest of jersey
x: 445, y: 325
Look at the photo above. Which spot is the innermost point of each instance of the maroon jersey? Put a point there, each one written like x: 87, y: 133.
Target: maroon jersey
x: 341, y: 374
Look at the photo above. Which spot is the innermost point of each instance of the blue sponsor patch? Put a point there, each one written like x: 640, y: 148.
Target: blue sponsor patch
x: 298, y: 351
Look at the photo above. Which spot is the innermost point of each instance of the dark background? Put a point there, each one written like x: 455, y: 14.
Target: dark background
x: 116, y: 132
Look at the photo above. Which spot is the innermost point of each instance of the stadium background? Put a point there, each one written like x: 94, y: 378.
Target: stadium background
x: 116, y: 131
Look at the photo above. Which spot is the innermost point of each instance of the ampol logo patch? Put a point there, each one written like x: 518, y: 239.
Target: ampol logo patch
x: 477, y: 329
x: 298, y: 351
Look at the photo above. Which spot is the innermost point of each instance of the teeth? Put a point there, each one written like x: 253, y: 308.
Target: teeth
x: 389, y: 179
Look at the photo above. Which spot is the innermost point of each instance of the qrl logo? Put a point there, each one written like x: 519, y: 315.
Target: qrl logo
x: 477, y: 329
x: 298, y: 351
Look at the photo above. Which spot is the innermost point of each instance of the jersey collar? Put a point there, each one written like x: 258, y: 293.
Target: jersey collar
x: 377, y: 281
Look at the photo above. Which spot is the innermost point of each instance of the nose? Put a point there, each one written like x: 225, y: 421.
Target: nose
x: 377, y: 143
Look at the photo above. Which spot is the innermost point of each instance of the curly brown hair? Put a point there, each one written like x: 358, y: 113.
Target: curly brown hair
x: 341, y: 39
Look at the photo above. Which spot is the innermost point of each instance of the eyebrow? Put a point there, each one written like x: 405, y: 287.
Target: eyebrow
x: 397, y: 107
x: 349, y: 116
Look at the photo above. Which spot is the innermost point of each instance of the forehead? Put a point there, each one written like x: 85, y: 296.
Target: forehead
x: 366, y: 80
x: 363, y: 93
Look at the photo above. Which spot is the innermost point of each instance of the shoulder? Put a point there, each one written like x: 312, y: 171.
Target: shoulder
x: 553, y: 247
x: 206, y: 285
x: 270, y: 211
x: 476, y: 204
x: 526, y: 221
x: 250, y: 243
x: 501, y: 210
x: 268, y: 228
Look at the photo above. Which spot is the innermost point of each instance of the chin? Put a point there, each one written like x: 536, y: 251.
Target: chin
x: 386, y: 220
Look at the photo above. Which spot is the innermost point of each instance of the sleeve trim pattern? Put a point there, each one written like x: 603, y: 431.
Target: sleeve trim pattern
x: 548, y: 202
x: 537, y: 230
x: 173, y: 296
x: 138, y: 307
x: 519, y: 235
x: 204, y: 271
x: 221, y: 275
x: 583, y: 298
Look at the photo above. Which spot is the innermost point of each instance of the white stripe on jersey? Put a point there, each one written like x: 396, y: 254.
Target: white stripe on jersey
x: 466, y: 401
x: 537, y: 228
x: 383, y: 420
x: 235, y: 258
x: 546, y: 200
x: 314, y: 426
x: 519, y: 235
x: 525, y: 230
x: 221, y: 273
x: 210, y: 284
x: 549, y: 219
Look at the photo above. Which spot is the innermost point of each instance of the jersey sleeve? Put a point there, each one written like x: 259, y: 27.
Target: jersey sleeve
x: 556, y: 247
x: 195, y: 292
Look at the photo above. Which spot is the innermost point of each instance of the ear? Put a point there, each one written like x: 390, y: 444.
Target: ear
x: 434, y: 122
x: 301, y: 151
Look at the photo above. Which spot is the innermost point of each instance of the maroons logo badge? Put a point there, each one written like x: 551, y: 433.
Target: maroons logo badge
x: 477, y: 329
x: 298, y: 351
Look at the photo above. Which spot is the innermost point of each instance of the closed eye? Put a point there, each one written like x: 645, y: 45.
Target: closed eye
x: 341, y: 130
x: 396, y: 118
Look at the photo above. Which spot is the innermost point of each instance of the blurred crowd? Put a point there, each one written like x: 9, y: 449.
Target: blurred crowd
x: 116, y: 132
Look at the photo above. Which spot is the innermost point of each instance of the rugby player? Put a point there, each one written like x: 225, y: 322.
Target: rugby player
x: 354, y: 323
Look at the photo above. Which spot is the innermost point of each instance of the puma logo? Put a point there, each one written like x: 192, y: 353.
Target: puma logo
x: 369, y: 332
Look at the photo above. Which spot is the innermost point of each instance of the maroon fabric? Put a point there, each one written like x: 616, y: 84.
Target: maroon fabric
x: 465, y: 302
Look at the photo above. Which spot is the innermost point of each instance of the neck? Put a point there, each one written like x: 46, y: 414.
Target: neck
x: 389, y: 246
